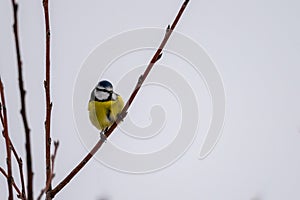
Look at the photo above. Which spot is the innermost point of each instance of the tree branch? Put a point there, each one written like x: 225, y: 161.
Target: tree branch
x: 13, y: 183
x: 20, y: 164
x: 18, y: 159
x: 48, y: 100
x: 56, y: 144
x: 23, y: 105
x: 142, y: 78
x: 7, y: 143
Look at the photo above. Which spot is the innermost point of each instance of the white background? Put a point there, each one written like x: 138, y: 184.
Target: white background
x: 254, y: 44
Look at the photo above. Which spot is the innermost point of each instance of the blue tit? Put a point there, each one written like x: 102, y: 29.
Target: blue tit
x: 104, y: 106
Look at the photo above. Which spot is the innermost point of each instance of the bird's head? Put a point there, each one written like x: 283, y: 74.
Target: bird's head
x: 104, y: 86
x: 103, y: 91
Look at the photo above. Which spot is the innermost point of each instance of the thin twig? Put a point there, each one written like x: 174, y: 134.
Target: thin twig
x: 7, y: 143
x: 18, y: 159
x: 23, y: 105
x: 13, y: 183
x: 56, y: 144
x: 142, y: 78
x: 20, y: 164
x: 48, y: 100
x: 66, y: 180
x: 1, y: 117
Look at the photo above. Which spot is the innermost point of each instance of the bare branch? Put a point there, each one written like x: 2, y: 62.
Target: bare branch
x: 7, y: 143
x: 142, y: 78
x: 48, y: 99
x: 56, y: 144
x: 13, y: 183
x: 1, y: 116
x: 20, y: 164
x: 18, y: 159
x: 23, y: 105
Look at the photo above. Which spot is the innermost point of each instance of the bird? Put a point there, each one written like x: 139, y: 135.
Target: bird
x: 104, y: 106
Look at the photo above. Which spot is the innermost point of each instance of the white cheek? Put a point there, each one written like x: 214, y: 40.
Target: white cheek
x: 101, y: 95
x: 114, y: 96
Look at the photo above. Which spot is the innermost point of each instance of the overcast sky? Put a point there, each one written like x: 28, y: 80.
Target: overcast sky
x: 255, y: 47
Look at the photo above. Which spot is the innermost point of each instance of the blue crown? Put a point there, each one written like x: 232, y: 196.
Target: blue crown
x: 105, y: 84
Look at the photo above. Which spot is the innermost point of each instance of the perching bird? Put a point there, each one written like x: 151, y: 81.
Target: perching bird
x: 104, y: 106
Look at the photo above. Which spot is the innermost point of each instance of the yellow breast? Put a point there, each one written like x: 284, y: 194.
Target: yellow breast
x: 103, y: 114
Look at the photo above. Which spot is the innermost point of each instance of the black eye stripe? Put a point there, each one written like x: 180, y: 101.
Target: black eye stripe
x: 103, y: 90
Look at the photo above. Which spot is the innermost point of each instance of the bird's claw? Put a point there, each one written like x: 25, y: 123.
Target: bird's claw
x: 103, y: 137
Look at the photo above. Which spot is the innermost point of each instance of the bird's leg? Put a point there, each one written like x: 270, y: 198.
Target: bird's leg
x: 103, y: 137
